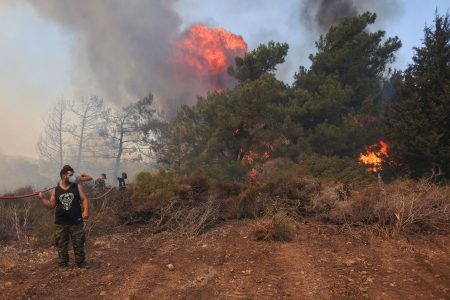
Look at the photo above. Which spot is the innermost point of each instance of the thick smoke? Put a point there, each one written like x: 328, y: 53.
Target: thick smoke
x: 321, y: 14
x: 123, y: 47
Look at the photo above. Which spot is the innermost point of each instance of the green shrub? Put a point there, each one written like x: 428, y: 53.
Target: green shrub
x: 152, y: 190
x: 343, y: 169
x: 291, y: 190
x: 221, y: 170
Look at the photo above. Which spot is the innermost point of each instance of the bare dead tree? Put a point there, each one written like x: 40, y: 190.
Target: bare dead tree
x: 88, y: 115
x: 52, y: 142
x: 127, y: 131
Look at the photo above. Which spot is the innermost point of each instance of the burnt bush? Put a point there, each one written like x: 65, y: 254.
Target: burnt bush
x: 279, y: 227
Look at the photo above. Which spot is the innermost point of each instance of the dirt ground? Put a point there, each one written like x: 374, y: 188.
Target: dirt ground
x: 323, y: 262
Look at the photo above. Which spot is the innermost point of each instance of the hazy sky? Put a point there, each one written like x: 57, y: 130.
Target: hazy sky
x: 40, y: 57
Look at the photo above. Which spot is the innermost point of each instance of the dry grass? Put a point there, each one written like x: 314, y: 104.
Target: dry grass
x: 399, y: 207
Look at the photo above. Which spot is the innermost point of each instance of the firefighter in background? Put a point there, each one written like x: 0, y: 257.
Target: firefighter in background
x: 99, y: 188
x: 100, y: 184
x: 123, y: 181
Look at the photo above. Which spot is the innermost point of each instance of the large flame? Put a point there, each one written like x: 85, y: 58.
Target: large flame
x: 374, y: 156
x: 208, y: 52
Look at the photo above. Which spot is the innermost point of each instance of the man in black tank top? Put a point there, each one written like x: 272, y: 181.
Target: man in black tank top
x: 72, y: 207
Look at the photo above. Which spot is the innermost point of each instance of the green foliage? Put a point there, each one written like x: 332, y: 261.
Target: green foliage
x: 343, y: 169
x: 224, y: 170
x: 223, y: 127
x: 334, y: 109
x: 259, y: 61
x: 289, y: 189
x: 338, y: 100
x: 419, y: 124
x: 153, y: 190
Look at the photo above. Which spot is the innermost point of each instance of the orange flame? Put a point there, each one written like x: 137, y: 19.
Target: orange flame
x: 252, y: 173
x: 208, y: 52
x: 252, y: 158
x: 374, y: 155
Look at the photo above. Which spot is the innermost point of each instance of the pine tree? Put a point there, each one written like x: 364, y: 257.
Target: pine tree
x: 263, y: 59
x: 419, y: 128
x: 338, y: 99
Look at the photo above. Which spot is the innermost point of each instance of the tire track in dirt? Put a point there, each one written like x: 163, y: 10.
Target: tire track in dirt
x: 239, y: 268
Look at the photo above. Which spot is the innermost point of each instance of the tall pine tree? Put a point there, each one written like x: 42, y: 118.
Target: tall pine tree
x: 337, y: 100
x: 419, y: 128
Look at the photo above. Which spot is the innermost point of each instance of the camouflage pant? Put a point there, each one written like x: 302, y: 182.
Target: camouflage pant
x: 76, y: 233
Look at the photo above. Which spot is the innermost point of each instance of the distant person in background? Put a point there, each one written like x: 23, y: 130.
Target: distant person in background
x: 99, y: 188
x: 71, y: 209
x: 100, y: 184
x: 123, y: 181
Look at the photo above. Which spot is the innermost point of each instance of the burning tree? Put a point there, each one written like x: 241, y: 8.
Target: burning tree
x: 332, y: 110
x: 237, y: 120
x: 338, y: 100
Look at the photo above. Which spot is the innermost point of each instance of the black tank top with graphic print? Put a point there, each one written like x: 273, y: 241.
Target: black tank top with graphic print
x: 68, y: 205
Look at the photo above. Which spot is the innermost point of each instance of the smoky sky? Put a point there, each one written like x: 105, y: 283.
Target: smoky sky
x: 320, y: 15
x: 123, y: 45
x: 123, y: 49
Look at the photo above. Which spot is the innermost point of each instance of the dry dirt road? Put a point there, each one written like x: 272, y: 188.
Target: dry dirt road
x: 323, y: 262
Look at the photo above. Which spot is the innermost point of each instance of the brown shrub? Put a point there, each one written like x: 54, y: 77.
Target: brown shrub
x: 248, y: 204
x: 403, y: 206
x: 225, y: 189
x: 328, y: 197
x: 279, y: 227
x: 198, y: 184
x: 6, y: 232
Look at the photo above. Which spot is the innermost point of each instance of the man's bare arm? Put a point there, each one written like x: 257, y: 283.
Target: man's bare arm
x: 50, y: 203
x: 84, y: 177
x: 84, y: 202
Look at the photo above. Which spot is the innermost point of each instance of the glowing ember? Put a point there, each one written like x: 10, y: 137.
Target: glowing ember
x: 208, y: 52
x: 250, y: 157
x: 374, y: 155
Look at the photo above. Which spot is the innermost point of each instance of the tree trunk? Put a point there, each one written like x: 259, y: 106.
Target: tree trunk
x: 61, y: 116
x: 119, y: 152
x: 80, y: 144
